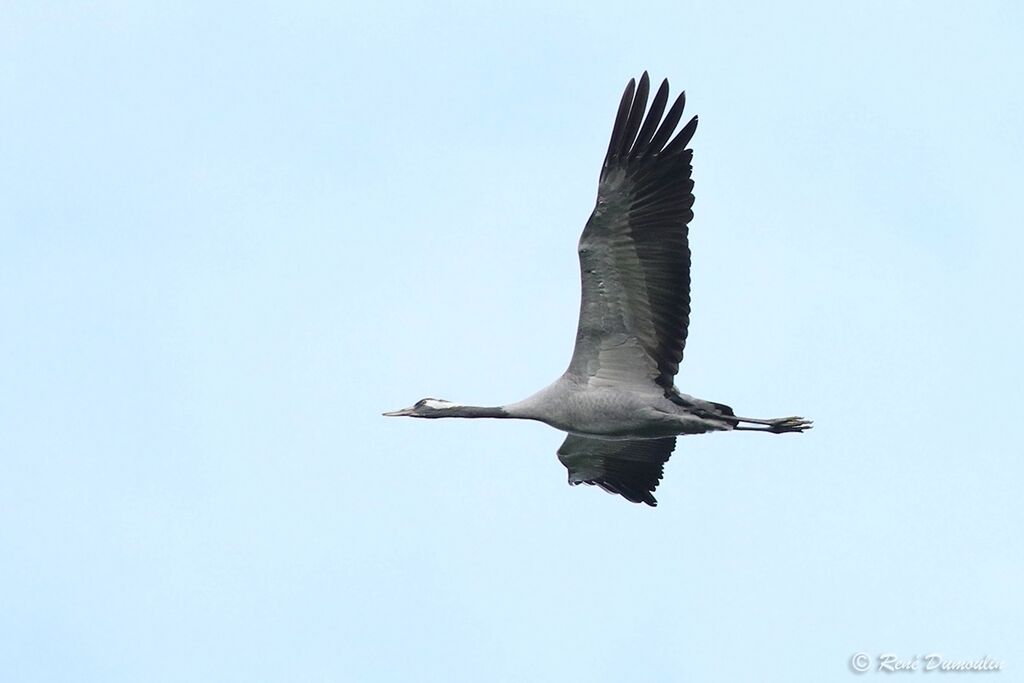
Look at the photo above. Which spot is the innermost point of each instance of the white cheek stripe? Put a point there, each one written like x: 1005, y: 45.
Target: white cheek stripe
x: 437, y: 405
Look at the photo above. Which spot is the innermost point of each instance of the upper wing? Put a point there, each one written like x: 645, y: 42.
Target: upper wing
x: 631, y: 469
x: 634, y: 254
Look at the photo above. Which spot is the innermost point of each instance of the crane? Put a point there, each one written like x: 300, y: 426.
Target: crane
x: 617, y: 400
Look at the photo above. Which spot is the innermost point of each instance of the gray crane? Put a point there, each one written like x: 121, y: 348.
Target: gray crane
x: 617, y: 400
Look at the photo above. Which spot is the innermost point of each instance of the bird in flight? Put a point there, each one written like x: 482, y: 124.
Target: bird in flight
x: 618, y: 400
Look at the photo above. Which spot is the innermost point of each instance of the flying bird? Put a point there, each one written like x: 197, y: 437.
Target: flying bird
x: 617, y: 400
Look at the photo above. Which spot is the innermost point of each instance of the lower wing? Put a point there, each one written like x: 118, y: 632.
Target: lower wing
x: 630, y: 468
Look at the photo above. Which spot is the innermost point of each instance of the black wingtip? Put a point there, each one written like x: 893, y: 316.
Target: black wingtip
x: 620, y: 120
x: 648, y: 499
x: 668, y: 125
x: 636, y: 135
x: 636, y: 114
x: 682, y: 139
x: 651, y: 122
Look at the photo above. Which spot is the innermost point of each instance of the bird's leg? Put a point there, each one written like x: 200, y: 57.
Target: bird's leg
x: 780, y: 425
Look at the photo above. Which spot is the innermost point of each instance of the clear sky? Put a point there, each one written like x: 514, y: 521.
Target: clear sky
x: 231, y: 235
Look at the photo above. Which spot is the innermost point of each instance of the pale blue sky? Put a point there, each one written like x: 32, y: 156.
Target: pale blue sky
x: 232, y: 234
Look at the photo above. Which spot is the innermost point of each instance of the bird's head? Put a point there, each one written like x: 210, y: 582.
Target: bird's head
x: 426, y: 407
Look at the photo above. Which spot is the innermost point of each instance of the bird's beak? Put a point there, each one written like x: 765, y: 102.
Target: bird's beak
x: 399, y: 413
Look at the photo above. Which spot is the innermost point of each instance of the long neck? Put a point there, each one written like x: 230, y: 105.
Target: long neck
x: 473, y: 411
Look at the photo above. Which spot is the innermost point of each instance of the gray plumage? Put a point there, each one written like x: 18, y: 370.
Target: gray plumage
x: 617, y: 399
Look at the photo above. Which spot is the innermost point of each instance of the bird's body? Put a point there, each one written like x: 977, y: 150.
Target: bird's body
x: 609, y: 413
x: 617, y: 400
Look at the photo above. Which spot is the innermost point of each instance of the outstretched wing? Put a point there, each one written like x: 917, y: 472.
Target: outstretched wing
x: 631, y: 469
x: 634, y: 253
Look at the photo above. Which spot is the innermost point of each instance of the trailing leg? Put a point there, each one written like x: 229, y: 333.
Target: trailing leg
x: 781, y: 425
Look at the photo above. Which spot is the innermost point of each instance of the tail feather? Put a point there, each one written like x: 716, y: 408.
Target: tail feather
x: 726, y: 412
x: 702, y: 408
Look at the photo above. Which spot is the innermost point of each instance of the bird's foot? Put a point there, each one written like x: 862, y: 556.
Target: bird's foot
x: 784, y: 425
